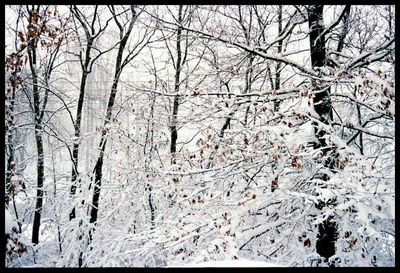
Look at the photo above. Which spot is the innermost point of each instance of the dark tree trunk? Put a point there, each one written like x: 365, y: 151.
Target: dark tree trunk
x: 278, y: 65
x: 345, y: 27
x: 221, y: 133
x: 174, y: 130
x: 38, y: 103
x: 152, y: 209
x: 98, y: 170
x: 327, y: 231
x: 39, y: 141
x: 77, y: 124
x: 96, y: 191
x: 40, y: 178
x: 277, y: 86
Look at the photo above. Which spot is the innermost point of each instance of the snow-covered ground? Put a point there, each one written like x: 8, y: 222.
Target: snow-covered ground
x: 230, y: 263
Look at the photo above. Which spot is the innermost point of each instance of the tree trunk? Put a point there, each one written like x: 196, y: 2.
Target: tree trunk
x: 277, y: 86
x: 40, y: 179
x: 327, y: 231
x: 77, y: 125
x: 39, y: 141
x: 98, y: 170
x: 278, y: 65
x: 174, y: 131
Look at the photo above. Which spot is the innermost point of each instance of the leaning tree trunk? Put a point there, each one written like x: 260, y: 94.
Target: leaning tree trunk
x: 327, y: 231
x: 98, y: 170
x: 77, y: 124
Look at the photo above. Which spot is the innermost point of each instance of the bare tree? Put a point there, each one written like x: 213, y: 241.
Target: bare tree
x: 266, y: 131
x: 87, y: 60
x: 328, y: 230
x: 33, y: 38
x: 124, y: 35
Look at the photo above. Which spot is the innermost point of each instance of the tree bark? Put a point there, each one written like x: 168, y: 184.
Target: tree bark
x: 277, y: 86
x: 38, y: 134
x: 174, y: 130
x: 327, y: 231
x: 77, y: 124
x: 278, y: 65
x: 98, y: 170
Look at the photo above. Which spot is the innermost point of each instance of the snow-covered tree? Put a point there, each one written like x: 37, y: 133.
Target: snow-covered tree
x: 207, y: 133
